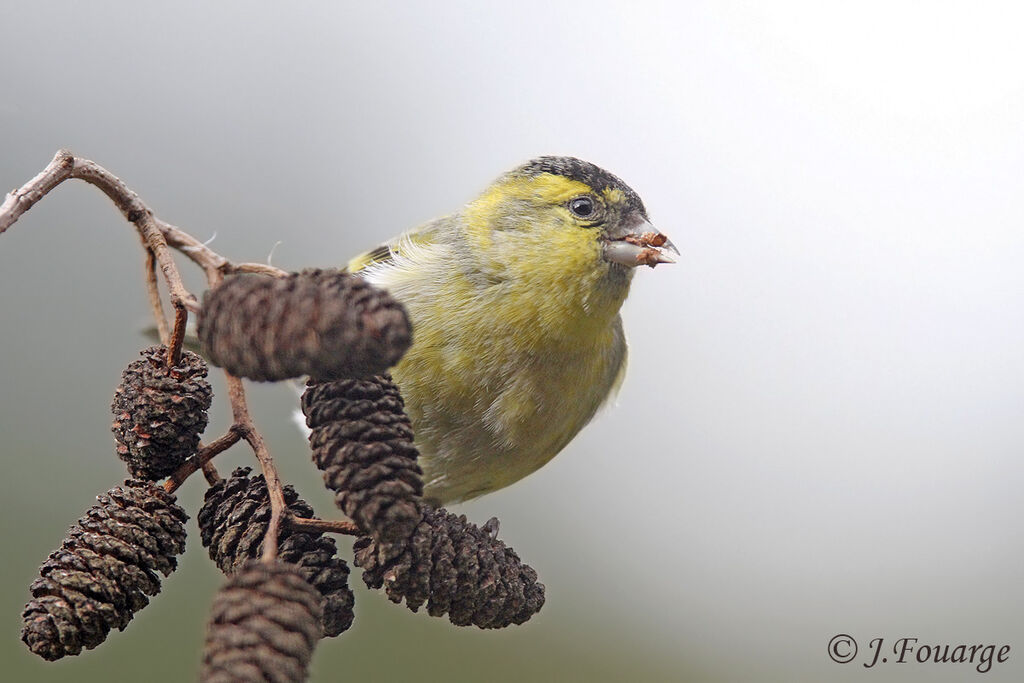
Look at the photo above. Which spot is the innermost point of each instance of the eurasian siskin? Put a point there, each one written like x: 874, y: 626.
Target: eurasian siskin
x: 514, y: 301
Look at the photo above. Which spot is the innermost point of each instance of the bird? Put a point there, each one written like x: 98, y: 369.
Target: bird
x: 514, y: 302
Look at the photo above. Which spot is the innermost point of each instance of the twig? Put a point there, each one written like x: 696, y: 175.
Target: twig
x: 243, y: 422
x: 136, y: 212
x: 155, y: 302
x: 339, y: 526
x: 202, y: 458
x: 66, y: 165
x: 177, y: 336
x: 210, y: 473
x: 206, y: 258
x: 25, y: 197
x: 258, y: 268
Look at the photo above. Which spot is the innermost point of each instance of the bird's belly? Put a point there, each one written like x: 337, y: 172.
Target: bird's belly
x: 505, y: 420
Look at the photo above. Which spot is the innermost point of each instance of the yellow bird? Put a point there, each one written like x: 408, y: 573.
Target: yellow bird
x: 514, y: 302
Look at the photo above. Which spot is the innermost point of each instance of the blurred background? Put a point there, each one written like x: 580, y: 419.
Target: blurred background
x: 821, y: 431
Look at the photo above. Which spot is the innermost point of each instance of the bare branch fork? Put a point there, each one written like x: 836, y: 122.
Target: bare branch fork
x: 158, y: 239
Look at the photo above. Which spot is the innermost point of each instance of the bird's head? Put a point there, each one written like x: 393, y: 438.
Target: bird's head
x: 556, y: 218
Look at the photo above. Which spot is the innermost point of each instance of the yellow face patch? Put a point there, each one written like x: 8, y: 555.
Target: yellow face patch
x: 546, y: 189
x: 539, y: 200
x: 556, y: 189
x: 551, y: 189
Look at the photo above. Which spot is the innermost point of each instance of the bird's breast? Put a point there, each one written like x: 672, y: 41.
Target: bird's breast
x: 500, y: 378
x: 488, y: 409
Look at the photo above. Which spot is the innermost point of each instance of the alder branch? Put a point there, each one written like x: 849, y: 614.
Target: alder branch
x: 24, y: 198
x: 177, y: 336
x: 66, y: 165
x: 340, y: 526
x: 155, y: 302
x: 210, y: 261
x: 159, y: 237
x: 275, y: 491
x: 202, y: 458
x: 137, y: 213
x: 210, y: 473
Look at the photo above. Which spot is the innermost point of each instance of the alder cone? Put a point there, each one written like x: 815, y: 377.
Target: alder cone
x: 105, y: 570
x: 362, y: 440
x: 233, y: 522
x: 160, y: 412
x: 456, y: 568
x: 264, y: 624
x: 326, y: 324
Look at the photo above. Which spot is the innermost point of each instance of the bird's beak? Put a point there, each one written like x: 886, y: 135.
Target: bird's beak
x: 638, y: 243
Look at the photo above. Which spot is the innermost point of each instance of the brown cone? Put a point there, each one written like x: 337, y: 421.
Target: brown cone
x: 104, y: 570
x: 323, y: 323
x: 159, y: 412
x: 456, y: 568
x: 233, y: 522
x: 362, y: 440
x: 264, y: 624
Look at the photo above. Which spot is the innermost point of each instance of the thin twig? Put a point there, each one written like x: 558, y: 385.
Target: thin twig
x: 243, y: 422
x: 258, y: 268
x: 136, y: 211
x: 210, y: 473
x: 177, y: 336
x: 275, y: 491
x: 25, y: 197
x: 203, y: 456
x: 156, y: 303
x: 206, y: 258
x: 329, y: 526
x: 193, y: 249
x: 66, y: 165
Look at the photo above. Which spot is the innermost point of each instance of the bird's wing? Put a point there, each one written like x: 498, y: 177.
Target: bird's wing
x: 623, y: 351
x: 387, y: 253
x: 378, y: 254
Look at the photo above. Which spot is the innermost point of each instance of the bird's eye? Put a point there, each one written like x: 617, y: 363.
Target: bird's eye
x: 582, y: 207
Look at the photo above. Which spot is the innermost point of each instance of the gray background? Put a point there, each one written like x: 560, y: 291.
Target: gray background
x: 821, y: 430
